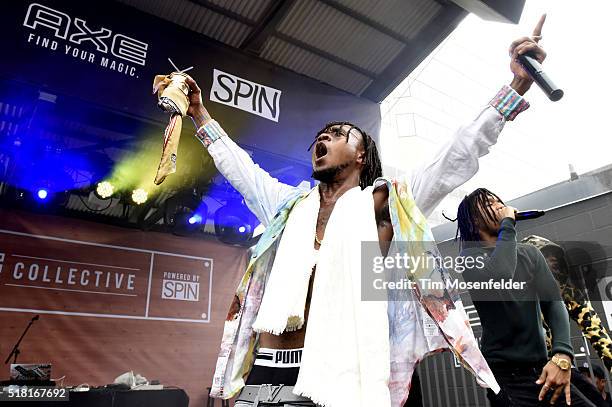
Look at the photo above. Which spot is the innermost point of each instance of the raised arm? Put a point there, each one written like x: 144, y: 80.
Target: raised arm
x: 457, y: 161
x: 262, y: 193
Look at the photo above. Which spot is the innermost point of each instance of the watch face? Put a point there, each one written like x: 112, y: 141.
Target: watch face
x: 563, y: 364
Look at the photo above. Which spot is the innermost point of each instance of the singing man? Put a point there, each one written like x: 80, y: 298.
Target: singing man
x: 297, y: 321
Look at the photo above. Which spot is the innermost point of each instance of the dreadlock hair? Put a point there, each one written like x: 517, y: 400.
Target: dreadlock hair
x: 473, y: 210
x: 372, y: 166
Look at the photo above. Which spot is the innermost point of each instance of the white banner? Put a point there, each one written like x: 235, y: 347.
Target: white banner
x: 245, y: 95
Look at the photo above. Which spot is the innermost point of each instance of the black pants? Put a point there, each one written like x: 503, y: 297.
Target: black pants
x: 415, y: 398
x: 264, y: 375
x: 518, y: 389
x: 288, y: 376
x: 273, y: 375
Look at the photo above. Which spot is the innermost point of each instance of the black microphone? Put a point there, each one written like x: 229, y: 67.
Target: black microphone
x: 531, y: 214
x: 535, y: 70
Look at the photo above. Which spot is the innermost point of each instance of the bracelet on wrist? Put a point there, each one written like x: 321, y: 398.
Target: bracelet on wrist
x: 210, y: 132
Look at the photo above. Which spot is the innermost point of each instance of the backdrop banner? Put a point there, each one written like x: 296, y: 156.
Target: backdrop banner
x: 112, y: 300
x: 108, y: 53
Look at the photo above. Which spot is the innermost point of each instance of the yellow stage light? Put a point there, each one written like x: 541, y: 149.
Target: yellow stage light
x: 105, y: 189
x: 139, y: 196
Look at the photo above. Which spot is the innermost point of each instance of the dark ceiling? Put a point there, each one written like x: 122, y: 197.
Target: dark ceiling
x: 364, y: 47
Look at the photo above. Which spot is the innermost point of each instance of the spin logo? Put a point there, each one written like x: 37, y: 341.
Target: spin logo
x: 245, y: 95
x: 180, y: 286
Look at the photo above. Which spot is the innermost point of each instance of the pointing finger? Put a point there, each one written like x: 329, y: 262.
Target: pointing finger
x: 537, y: 31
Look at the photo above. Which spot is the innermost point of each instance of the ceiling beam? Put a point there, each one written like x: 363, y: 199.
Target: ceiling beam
x: 225, y: 12
x: 267, y: 25
x: 415, y: 52
x: 325, y: 55
x: 293, y: 41
x: 365, y: 20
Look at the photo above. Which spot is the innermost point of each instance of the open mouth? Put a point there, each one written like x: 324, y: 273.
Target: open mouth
x: 320, y: 150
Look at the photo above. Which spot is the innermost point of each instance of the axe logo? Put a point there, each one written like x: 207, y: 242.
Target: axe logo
x: 78, y: 32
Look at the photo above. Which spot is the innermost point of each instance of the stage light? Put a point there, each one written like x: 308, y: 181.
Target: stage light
x: 232, y: 224
x: 195, y: 219
x: 185, y: 222
x: 42, y: 194
x: 184, y: 213
x: 105, y: 190
x: 139, y: 196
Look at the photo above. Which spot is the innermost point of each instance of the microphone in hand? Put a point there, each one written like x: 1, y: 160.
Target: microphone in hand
x: 530, y: 214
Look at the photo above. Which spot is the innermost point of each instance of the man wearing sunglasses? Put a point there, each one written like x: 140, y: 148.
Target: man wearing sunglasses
x: 298, y: 332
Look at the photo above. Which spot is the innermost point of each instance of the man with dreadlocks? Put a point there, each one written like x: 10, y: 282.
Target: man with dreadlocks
x: 575, y: 297
x: 513, y: 340
x: 297, y: 336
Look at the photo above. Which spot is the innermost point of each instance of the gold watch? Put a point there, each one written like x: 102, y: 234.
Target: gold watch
x: 562, y: 363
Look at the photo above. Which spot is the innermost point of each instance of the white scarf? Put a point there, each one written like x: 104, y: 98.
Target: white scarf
x: 346, y: 350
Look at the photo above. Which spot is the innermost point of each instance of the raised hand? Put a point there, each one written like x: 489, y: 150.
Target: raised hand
x: 507, y: 212
x: 522, y: 81
x: 196, y: 109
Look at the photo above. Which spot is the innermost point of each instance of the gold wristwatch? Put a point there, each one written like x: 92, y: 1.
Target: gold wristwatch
x: 562, y: 363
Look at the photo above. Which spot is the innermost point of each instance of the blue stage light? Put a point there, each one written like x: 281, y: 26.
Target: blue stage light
x: 233, y: 224
x: 195, y: 219
x: 42, y: 194
x: 185, y: 213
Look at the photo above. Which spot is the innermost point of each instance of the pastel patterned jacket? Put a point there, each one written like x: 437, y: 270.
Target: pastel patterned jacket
x: 429, y: 320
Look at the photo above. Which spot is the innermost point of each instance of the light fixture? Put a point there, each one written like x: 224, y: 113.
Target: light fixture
x: 195, y: 219
x: 105, y: 190
x: 139, y: 196
x: 185, y: 213
x: 233, y: 224
x: 42, y: 194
